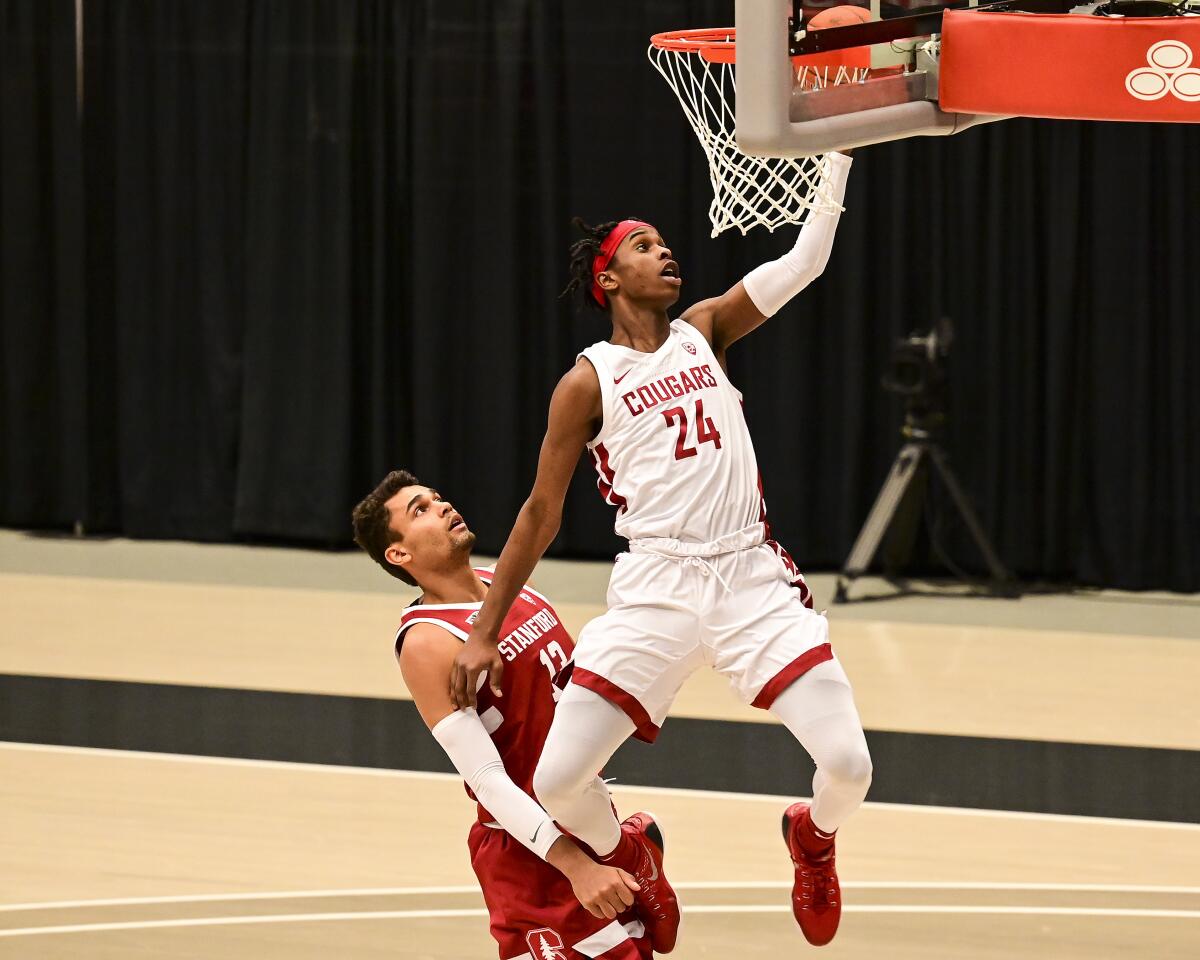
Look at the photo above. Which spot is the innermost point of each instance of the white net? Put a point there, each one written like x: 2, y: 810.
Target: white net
x: 747, y: 191
x: 818, y: 78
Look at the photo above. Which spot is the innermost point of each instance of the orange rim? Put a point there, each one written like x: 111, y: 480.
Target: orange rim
x: 720, y: 46
x: 714, y: 45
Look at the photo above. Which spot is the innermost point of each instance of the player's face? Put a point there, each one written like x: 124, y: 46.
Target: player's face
x: 646, y: 272
x: 432, y: 533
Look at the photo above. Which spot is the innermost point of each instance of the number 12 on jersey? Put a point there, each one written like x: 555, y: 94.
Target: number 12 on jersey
x: 706, y: 430
x: 551, y: 652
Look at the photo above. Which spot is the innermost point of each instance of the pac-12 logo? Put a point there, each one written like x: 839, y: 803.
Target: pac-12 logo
x: 689, y: 347
x: 545, y: 944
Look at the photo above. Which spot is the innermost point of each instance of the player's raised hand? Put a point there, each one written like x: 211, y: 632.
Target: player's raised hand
x: 603, y: 891
x: 478, y: 656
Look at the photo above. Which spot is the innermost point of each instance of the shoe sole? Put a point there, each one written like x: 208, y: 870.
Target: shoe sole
x: 654, y: 833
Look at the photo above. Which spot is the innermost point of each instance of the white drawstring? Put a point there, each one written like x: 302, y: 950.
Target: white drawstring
x: 706, y: 568
x: 701, y: 555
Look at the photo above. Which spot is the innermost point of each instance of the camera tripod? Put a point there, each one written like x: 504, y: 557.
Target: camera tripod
x: 920, y: 452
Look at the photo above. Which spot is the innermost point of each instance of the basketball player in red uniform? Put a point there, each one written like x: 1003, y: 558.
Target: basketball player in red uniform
x: 702, y: 581
x: 536, y: 881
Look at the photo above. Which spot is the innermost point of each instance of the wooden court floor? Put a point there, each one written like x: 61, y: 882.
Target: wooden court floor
x: 109, y: 854
x: 118, y: 854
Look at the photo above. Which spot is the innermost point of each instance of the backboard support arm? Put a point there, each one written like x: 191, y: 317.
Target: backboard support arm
x: 920, y: 22
x: 764, y: 91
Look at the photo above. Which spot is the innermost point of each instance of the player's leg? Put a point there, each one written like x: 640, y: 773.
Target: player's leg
x: 777, y: 656
x: 819, y: 710
x: 775, y: 651
x: 629, y: 665
x: 552, y: 923
x: 585, y: 733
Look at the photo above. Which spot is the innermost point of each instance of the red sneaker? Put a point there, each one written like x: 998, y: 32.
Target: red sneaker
x: 816, y: 894
x: 641, y: 853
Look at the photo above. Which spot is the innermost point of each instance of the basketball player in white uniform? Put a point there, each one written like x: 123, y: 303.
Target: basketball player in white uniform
x: 702, y: 582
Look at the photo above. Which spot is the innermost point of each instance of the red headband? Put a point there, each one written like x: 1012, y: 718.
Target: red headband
x: 607, y: 249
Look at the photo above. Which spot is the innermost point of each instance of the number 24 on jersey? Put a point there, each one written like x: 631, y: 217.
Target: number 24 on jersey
x: 706, y: 430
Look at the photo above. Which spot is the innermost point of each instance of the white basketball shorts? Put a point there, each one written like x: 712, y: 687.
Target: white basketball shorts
x: 743, y: 613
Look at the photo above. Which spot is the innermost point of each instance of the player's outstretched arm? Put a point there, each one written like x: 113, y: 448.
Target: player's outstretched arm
x: 575, y: 413
x: 764, y: 290
x: 425, y: 661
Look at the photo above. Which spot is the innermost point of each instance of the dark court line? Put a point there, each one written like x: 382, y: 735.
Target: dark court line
x: 1036, y: 776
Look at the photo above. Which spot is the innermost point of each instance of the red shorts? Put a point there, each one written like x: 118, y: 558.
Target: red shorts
x: 534, y: 913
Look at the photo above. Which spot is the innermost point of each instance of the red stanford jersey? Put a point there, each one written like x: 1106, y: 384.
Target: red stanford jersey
x: 535, y: 647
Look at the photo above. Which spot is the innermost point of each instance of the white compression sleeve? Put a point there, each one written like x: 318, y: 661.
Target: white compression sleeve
x: 586, y: 732
x: 818, y: 708
x: 774, y: 284
x: 473, y: 754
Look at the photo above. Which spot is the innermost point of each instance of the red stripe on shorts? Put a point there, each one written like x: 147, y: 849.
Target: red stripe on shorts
x: 789, y: 674
x: 646, y: 730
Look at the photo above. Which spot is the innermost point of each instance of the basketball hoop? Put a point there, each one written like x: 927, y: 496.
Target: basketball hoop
x: 748, y: 191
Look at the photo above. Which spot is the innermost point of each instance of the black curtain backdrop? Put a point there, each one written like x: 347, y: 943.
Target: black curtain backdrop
x: 298, y: 243
x: 43, y: 340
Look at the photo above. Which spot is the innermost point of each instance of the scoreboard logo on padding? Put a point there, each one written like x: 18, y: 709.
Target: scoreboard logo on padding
x: 1168, y: 70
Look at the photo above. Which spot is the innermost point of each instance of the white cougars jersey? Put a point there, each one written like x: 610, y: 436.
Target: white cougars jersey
x: 673, y: 454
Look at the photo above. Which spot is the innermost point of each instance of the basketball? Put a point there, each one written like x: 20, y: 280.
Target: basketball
x: 815, y: 69
x: 840, y: 16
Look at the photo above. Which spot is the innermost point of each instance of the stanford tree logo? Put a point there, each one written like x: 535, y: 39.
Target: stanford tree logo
x: 545, y: 944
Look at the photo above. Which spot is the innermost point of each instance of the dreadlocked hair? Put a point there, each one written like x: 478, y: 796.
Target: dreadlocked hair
x: 583, y: 252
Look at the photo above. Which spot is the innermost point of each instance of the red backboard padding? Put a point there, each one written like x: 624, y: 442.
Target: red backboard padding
x: 1071, y: 67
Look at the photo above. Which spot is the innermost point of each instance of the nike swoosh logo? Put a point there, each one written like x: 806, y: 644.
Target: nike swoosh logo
x: 621, y: 377
x: 653, y: 862
x: 533, y: 839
